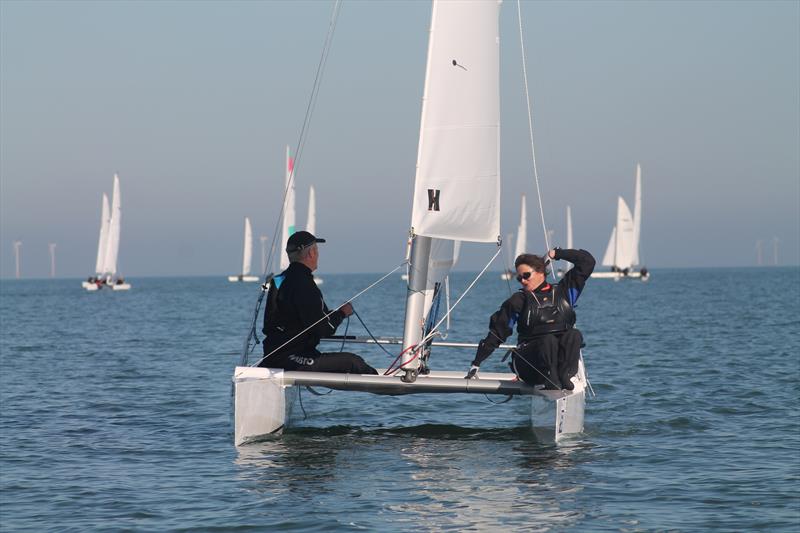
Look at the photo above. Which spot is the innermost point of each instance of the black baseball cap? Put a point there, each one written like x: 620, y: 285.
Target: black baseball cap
x: 299, y: 240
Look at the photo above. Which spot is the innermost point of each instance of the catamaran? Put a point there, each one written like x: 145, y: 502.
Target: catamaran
x: 108, y: 245
x: 622, y: 251
x: 247, y: 256
x: 456, y: 197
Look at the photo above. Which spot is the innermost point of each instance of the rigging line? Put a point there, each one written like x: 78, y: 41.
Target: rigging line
x: 450, y: 310
x: 530, y: 131
x: 370, y: 334
x: 325, y: 317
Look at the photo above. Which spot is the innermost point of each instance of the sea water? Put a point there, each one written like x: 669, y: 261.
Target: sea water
x: 116, y: 415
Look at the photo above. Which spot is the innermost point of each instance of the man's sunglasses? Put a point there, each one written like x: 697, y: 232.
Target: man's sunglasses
x: 524, y: 275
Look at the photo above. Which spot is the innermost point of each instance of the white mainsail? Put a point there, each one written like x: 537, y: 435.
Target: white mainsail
x: 522, y: 232
x: 457, y: 184
x: 247, y: 256
x: 637, y: 214
x: 288, y: 211
x: 102, y: 243
x: 619, y: 252
x: 311, y: 225
x: 112, y: 244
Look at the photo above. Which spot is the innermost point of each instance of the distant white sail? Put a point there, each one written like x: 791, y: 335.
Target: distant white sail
x: 102, y: 243
x: 311, y: 226
x: 288, y: 211
x: 619, y: 252
x: 569, y: 228
x: 522, y: 232
x: 637, y: 215
x: 457, y: 186
x: 247, y: 257
x: 112, y: 246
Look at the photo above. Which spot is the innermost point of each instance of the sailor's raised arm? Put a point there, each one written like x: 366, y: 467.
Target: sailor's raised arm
x: 576, y: 277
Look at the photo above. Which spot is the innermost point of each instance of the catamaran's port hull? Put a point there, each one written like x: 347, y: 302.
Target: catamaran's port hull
x: 263, y: 397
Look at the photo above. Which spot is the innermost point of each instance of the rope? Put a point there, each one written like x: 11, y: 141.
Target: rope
x: 370, y: 334
x: 530, y: 131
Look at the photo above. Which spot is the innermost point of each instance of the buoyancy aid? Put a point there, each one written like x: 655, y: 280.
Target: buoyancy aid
x: 546, y: 310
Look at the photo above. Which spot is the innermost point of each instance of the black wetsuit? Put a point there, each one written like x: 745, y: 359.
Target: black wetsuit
x: 294, y: 303
x: 548, y: 344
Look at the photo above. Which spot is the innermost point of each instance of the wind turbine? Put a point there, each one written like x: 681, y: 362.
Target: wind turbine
x: 52, y: 247
x: 17, y: 247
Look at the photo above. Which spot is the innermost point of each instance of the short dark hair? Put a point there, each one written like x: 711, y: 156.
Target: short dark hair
x: 533, y: 261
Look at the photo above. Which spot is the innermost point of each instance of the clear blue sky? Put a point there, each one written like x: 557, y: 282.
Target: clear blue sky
x: 192, y: 103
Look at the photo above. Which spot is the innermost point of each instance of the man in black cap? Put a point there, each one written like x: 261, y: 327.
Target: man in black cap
x: 296, y: 317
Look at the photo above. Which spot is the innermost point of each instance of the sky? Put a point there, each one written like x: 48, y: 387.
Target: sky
x: 193, y: 104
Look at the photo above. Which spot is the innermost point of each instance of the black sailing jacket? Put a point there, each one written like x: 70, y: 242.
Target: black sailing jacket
x: 294, y: 302
x: 501, y: 323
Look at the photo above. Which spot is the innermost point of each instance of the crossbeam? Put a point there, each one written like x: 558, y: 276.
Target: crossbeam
x: 398, y: 341
x: 436, y: 382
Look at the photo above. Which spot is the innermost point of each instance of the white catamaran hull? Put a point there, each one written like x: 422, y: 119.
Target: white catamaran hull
x: 264, y: 397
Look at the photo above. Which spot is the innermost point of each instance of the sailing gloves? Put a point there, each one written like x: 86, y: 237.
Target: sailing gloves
x: 473, y: 372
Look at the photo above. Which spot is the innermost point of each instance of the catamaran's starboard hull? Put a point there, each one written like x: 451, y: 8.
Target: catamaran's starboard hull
x: 263, y: 397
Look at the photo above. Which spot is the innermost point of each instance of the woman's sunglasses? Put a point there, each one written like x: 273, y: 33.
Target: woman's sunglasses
x: 524, y: 275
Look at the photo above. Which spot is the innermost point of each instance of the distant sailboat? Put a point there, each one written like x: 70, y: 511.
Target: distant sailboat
x: 288, y: 212
x: 247, y: 255
x: 108, y: 245
x: 622, y: 251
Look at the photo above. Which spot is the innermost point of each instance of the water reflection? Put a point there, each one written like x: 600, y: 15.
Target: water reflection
x: 455, y: 477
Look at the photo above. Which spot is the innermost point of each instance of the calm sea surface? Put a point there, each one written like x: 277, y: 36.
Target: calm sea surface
x: 116, y: 414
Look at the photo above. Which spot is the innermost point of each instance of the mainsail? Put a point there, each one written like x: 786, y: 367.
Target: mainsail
x: 311, y: 225
x: 102, y: 243
x: 247, y: 256
x: 112, y: 244
x: 522, y: 232
x: 620, y: 249
x: 637, y: 214
x: 288, y: 211
x: 457, y: 186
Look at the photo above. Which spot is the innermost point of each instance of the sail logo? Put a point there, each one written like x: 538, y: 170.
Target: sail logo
x: 433, y: 199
